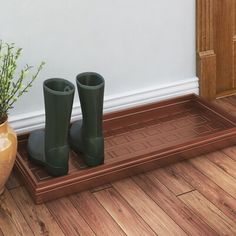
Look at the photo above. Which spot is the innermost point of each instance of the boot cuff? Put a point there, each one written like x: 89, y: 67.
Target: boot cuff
x: 90, y: 80
x: 58, y: 86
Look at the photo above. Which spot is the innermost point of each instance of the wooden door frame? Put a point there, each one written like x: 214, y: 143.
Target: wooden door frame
x: 206, y: 57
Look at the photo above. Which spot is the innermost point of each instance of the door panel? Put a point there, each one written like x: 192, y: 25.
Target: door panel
x: 216, y: 47
x: 223, y: 42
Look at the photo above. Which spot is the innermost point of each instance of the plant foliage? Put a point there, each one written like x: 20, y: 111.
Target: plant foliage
x: 13, y: 86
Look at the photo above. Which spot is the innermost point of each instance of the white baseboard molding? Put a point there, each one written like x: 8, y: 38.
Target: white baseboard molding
x: 36, y: 120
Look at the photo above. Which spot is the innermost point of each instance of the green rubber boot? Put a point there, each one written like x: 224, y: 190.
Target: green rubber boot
x: 50, y: 147
x: 86, y: 135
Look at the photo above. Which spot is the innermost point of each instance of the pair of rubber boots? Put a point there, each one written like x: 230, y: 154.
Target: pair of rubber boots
x: 50, y: 147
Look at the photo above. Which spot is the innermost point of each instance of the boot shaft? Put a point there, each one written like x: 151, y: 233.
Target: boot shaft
x: 58, y: 99
x: 91, y: 93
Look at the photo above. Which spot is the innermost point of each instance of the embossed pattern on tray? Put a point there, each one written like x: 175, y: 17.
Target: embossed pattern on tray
x: 155, y: 134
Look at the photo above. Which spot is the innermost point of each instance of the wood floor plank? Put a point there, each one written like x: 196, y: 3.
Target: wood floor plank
x: 95, y: 215
x: 231, y: 100
x: 210, y: 213
x: 13, y: 181
x: 70, y: 221
x: 99, y: 188
x: 224, y: 104
x: 37, y: 216
x: 173, y: 206
x: 224, y: 162
x: 123, y: 213
x: 152, y: 214
x: 216, y: 174
x: 231, y: 152
x: 207, y: 188
x: 173, y: 182
x: 12, y: 222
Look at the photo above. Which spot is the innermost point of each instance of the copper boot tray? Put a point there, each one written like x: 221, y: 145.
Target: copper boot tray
x: 137, y: 140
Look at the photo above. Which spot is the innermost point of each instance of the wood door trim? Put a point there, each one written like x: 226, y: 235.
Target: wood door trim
x: 206, y: 57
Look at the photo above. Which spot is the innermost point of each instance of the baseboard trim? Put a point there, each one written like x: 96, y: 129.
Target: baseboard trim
x: 36, y: 120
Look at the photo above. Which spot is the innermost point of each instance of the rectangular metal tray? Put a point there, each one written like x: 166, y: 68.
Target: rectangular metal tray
x: 137, y: 140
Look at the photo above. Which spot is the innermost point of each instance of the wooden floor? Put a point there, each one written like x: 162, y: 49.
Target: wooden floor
x: 196, y: 197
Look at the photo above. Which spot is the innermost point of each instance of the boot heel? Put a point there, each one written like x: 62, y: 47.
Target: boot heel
x: 94, y: 151
x: 94, y: 161
x: 57, y: 167
x: 56, y: 171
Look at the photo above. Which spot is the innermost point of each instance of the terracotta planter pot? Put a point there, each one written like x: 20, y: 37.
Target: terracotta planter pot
x: 8, y: 148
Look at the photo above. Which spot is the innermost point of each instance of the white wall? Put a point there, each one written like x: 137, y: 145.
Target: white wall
x: 137, y: 45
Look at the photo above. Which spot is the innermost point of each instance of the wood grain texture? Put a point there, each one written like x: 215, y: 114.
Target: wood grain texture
x: 206, y: 57
x: 205, y: 25
x: 216, y: 174
x: 123, y: 214
x: 12, y: 222
x: 223, y: 44
x: 224, y: 162
x: 175, y: 208
x: 95, y: 215
x: 226, y: 105
x: 173, y: 182
x: 209, y: 213
x: 38, y: 217
x: 222, y: 200
x: 231, y: 100
x: 70, y: 221
x: 206, y: 72
x: 99, y: 188
x: 234, y: 56
x: 13, y: 181
x: 153, y: 215
x: 231, y: 152
x: 216, y: 47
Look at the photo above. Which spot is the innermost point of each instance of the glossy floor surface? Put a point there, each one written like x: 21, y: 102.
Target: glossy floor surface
x: 195, y: 197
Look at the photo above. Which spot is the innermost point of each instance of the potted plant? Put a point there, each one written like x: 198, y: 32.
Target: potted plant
x: 12, y: 87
